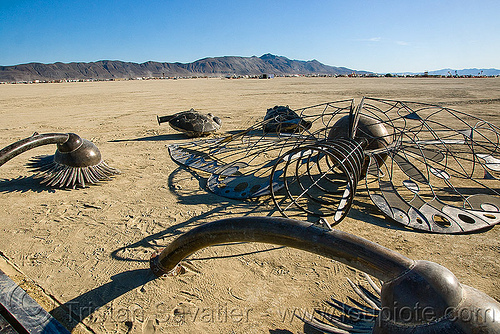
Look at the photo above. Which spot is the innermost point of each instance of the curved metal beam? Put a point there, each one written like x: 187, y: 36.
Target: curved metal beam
x: 349, y: 249
x: 26, y: 144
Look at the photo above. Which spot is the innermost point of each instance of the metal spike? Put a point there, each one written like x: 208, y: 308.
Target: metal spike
x: 371, y: 295
x: 362, y: 306
x: 363, y: 296
x: 81, y: 179
x: 54, y: 174
x: 72, y: 178
x: 109, y: 170
x: 53, y: 179
x: 354, y: 327
x: 67, y: 178
x: 86, y: 175
x: 98, y: 173
x: 348, y: 309
x: 372, y: 283
x: 93, y: 177
x: 66, y: 175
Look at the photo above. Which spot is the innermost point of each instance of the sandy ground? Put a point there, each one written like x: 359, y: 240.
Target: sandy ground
x: 84, y: 253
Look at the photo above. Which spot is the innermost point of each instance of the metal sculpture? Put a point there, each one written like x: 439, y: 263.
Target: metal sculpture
x: 425, y: 166
x: 77, y: 162
x: 192, y: 123
x: 416, y: 296
x: 283, y: 119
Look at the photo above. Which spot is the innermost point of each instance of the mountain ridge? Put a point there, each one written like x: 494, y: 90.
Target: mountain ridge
x: 489, y: 72
x: 210, y: 66
x: 267, y: 64
x: 467, y: 71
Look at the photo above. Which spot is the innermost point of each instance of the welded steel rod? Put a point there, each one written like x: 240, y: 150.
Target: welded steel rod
x: 349, y: 249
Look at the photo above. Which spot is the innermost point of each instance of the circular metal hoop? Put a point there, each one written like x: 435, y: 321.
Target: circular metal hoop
x: 320, y: 179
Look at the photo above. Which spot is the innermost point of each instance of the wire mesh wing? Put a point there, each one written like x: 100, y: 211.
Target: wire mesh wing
x: 442, y: 167
x: 424, y: 166
x: 240, y: 164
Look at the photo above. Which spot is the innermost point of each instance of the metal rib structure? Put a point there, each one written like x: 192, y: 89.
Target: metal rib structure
x: 425, y: 166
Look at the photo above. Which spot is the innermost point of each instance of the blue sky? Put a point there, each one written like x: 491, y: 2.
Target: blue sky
x: 378, y: 36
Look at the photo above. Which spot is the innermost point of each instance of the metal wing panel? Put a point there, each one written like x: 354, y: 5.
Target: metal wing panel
x: 442, y: 169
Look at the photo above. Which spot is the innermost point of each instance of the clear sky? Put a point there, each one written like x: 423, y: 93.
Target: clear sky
x: 378, y: 36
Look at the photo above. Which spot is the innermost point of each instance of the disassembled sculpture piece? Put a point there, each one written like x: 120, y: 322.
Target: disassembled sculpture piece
x: 417, y: 296
x: 283, y: 119
x: 192, y: 123
x: 76, y: 162
x: 425, y: 166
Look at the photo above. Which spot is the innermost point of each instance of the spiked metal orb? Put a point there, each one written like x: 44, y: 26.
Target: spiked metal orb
x: 416, y: 296
x: 424, y: 166
x: 77, y: 162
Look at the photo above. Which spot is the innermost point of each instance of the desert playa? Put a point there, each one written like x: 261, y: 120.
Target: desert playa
x: 83, y: 254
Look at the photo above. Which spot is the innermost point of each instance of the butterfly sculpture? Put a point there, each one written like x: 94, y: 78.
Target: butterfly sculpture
x: 425, y: 166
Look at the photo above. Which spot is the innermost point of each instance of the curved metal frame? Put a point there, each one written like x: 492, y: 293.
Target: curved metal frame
x: 26, y: 144
x: 354, y: 251
x: 418, y: 286
x: 346, y: 155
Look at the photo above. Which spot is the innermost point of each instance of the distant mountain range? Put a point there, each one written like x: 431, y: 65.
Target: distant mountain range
x: 489, y: 72
x: 468, y: 71
x: 267, y: 64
